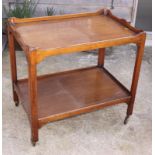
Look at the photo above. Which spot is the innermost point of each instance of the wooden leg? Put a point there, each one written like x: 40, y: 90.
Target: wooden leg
x: 33, y: 102
x: 13, y: 66
x: 101, y: 56
x: 139, y: 56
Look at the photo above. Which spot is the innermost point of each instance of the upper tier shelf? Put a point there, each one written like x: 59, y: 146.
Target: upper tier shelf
x: 75, y: 32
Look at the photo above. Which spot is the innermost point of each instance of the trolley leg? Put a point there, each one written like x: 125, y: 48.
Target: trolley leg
x: 33, y: 100
x: 139, y: 56
x: 101, y: 57
x: 13, y: 65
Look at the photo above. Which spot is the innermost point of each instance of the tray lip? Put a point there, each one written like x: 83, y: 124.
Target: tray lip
x: 105, y: 12
x: 56, y: 51
x: 95, y: 106
x: 14, y: 20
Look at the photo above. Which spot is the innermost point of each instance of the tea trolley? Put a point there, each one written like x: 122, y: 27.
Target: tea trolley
x: 56, y: 96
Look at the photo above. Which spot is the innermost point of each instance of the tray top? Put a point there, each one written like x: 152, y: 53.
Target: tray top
x: 67, y: 32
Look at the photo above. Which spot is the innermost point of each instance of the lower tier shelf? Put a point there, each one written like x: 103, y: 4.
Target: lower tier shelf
x: 74, y: 92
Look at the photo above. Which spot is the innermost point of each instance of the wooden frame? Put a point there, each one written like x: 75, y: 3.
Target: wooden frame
x: 39, y: 115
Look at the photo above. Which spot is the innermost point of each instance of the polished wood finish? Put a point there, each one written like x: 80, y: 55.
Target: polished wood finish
x: 32, y: 97
x: 90, y: 29
x: 101, y: 57
x: 69, y: 93
x: 56, y: 96
x: 13, y: 65
x: 72, y: 33
x: 139, y: 56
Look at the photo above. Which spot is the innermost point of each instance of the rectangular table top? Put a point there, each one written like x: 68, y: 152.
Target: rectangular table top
x: 69, y: 31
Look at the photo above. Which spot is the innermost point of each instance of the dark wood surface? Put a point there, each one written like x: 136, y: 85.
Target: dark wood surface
x: 72, y: 31
x: 71, y: 91
x: 13, y: 65
x: 101, y: 57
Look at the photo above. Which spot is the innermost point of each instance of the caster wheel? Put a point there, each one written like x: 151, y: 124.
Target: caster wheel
x: 126, y: 120
x: 33, y: 143
x: 16, y: 103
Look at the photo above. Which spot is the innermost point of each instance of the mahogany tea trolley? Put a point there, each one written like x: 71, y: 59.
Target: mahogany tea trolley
x: 56, y: 96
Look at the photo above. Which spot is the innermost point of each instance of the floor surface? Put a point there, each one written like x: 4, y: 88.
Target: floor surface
x: 97, y: 133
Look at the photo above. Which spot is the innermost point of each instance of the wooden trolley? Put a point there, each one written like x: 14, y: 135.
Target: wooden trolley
x: 56, y: 96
